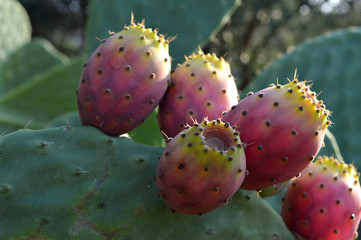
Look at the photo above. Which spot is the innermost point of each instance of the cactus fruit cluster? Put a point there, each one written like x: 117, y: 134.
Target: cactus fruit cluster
x: 214, y: 144
x: 221, y: 156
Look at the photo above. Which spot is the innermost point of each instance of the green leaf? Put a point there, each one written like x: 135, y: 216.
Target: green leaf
x: 192, y: 21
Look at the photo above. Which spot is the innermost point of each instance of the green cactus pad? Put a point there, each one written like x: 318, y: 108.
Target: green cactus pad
x: 33, y: 58
x: 15, y: 28
x: 78, y: 183
x: 67, y: 119
x: 148, y: 132
x: 22, y: 65
x: 42, y: 98
x: 192, y: 21
x: 332, y: 63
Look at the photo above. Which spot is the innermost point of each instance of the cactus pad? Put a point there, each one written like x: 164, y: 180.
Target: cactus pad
x: 78, y: 183
x: 55, y: 95
x: 14, y: 70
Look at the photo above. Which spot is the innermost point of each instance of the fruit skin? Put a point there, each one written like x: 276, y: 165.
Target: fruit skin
x: 324, y: 202
x: 201, y: 168
x: 201, y: 87
x: 124, y: 80
x: 283, y: 128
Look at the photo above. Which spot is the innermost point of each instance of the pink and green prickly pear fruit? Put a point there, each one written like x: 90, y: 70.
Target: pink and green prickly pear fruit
x: 124, y: 80
x: 201, y: 87
x: 201, y: 168
x: 283, y: 127
x: 324, y: 202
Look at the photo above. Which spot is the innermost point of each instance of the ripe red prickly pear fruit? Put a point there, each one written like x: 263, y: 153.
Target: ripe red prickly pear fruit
x: 324, y: 202
x: 283, y: 128
x: 201, y: 87
x: 124, y: 80
x: 201, y: 168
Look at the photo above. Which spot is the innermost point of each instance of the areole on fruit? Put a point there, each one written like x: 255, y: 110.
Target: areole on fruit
x: 217, y: 138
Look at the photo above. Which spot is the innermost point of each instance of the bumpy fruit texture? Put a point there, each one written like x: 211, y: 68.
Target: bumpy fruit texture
x: 201, y: 87
x: 201, y: 168
x: 324, y: 202
x: 283, y: 128
x: 124, y: 80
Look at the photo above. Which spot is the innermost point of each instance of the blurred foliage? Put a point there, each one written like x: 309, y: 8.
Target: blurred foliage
x: 258, y: 33
x: 261, y: 31
x: 62, y: 22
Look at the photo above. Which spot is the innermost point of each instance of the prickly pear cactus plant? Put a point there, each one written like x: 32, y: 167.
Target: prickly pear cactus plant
x: 68, y: 181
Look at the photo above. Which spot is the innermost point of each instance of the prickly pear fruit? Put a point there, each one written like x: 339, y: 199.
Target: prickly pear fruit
x: 283, y: 127
x: 201, y: 168
x: 202, y: 86
x: 324, y: 202
x: 124, y: 80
